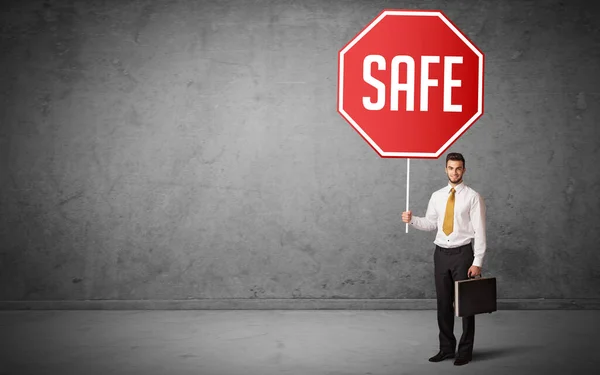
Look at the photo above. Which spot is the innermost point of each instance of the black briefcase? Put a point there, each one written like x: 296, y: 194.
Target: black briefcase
x: 475, y: 296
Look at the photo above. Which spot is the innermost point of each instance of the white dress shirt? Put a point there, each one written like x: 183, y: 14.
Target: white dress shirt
x: 469, y: 220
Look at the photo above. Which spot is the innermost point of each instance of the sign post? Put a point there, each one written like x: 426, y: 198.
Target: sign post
x: 410, y: 83
x: 407, y: 186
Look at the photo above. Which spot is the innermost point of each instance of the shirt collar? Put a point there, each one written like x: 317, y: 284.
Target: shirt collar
x: 458, y: 187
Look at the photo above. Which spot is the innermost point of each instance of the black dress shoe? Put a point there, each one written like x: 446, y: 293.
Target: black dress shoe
x: 441, y: 356
x: 461, y: 361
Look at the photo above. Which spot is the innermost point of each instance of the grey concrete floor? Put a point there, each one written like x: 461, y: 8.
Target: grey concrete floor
x: 290, y: 342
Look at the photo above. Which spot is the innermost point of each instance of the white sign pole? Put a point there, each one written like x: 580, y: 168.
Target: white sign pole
x: 407, y: 184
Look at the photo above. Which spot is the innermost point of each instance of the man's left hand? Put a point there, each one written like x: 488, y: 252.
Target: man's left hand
x: 474, y: 271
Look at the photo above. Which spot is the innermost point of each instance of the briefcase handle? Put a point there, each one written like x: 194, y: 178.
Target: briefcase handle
x: 476, y: 277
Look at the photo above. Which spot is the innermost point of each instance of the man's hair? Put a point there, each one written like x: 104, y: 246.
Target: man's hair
x: 455, y: 156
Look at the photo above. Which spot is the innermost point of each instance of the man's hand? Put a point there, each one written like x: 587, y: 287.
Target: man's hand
x: 474, y: 271
x: 407, y: 216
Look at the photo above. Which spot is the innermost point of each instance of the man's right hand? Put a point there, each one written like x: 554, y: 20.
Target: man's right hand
x: 406, y: 216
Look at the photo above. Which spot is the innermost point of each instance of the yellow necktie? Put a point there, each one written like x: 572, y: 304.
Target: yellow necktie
x: 449, y: 216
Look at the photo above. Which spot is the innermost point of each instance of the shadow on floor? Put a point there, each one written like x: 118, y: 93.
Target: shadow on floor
x: 507, y: 351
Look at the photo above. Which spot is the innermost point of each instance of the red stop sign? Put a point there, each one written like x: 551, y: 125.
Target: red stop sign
x: 410, y: 83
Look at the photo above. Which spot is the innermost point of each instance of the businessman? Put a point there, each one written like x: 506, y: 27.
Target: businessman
x: 458, y: 214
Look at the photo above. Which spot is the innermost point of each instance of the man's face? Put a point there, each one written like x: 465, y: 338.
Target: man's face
x: 455, y: 171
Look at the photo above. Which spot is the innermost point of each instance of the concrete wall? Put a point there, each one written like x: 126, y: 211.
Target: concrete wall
x: 164, y: 150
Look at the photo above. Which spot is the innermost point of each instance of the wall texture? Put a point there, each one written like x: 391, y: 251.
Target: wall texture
x: 176, y: 150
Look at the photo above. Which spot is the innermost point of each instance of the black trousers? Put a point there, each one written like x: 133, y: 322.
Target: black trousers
x: 451, y: 265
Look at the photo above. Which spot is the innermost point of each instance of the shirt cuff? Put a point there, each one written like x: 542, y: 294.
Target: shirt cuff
x: 478, y: 261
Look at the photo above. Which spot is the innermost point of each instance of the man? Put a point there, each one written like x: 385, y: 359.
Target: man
x: 458, y: 213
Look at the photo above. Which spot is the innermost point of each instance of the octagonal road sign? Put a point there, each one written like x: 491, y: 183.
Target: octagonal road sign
x: 410, y: 83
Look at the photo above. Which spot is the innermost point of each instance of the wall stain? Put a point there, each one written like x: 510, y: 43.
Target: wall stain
x: 79, y: 194
x: 257, y: 291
